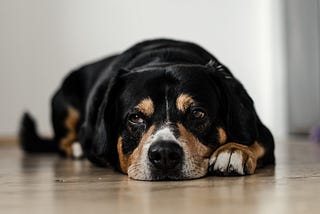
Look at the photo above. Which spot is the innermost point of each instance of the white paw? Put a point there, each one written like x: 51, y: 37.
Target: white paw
x: 77, y: 150
x: 228, y: 164
x: 232, y: 159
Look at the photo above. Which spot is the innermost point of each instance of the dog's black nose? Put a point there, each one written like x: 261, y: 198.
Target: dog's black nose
x: 165, y: 154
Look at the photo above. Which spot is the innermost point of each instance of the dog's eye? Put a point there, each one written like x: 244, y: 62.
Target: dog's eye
x: 136, y: 119
x: 198, y: 113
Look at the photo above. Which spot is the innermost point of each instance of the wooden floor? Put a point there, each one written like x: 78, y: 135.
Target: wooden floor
x: 49, y: 184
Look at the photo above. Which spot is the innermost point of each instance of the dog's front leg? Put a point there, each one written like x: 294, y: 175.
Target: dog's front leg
x: 235, y: 159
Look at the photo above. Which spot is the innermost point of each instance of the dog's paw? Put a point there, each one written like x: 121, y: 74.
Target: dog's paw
x: 233, y: 159
x: 77, y: 152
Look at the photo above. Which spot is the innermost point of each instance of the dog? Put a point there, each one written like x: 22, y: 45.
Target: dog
x: 161, y: 110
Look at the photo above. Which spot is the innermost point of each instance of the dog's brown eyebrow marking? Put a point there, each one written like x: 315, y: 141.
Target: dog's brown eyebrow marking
x: 146, y: 106
x: 183, y: 102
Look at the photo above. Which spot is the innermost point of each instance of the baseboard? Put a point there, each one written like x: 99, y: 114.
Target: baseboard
x: 8, y: 139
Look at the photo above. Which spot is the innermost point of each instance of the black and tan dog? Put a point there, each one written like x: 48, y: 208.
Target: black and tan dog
x: 162, y: 110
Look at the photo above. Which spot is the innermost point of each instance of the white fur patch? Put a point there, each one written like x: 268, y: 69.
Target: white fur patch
x: 163, y: 134
x: 77, y: 150
x: 236, y: 163
x: 167, y: 107
x: 226, y: 161
x: 222, y: 162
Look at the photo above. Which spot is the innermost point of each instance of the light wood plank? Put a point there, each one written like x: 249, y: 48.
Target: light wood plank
x: 50, y: 184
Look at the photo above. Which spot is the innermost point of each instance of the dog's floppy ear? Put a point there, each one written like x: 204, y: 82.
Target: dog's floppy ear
x: 96, y: 136
x: 237, y: 109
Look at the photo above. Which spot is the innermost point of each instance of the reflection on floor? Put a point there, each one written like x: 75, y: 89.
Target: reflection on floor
x: 49, y: 184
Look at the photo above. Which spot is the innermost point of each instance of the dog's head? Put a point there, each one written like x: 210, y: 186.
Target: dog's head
x: 162, y: 123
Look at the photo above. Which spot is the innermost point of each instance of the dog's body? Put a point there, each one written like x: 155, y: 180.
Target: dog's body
x: 163, y: 109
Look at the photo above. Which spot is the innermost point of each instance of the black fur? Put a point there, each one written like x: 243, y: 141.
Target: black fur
x: 105, y: 91
x: 30, y: 140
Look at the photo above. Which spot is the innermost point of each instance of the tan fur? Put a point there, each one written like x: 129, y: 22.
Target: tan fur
x: 258, y: 149
x: 183, y: 102
x: 127, y: 160
x: 250, y: 154
x: 222, y: 136
x: 122, y: 157
x: 197, y: 150
x: 71, y: 136
x: 146, y: 106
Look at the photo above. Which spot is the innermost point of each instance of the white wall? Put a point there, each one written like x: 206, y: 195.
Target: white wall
x: 41, y: 40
